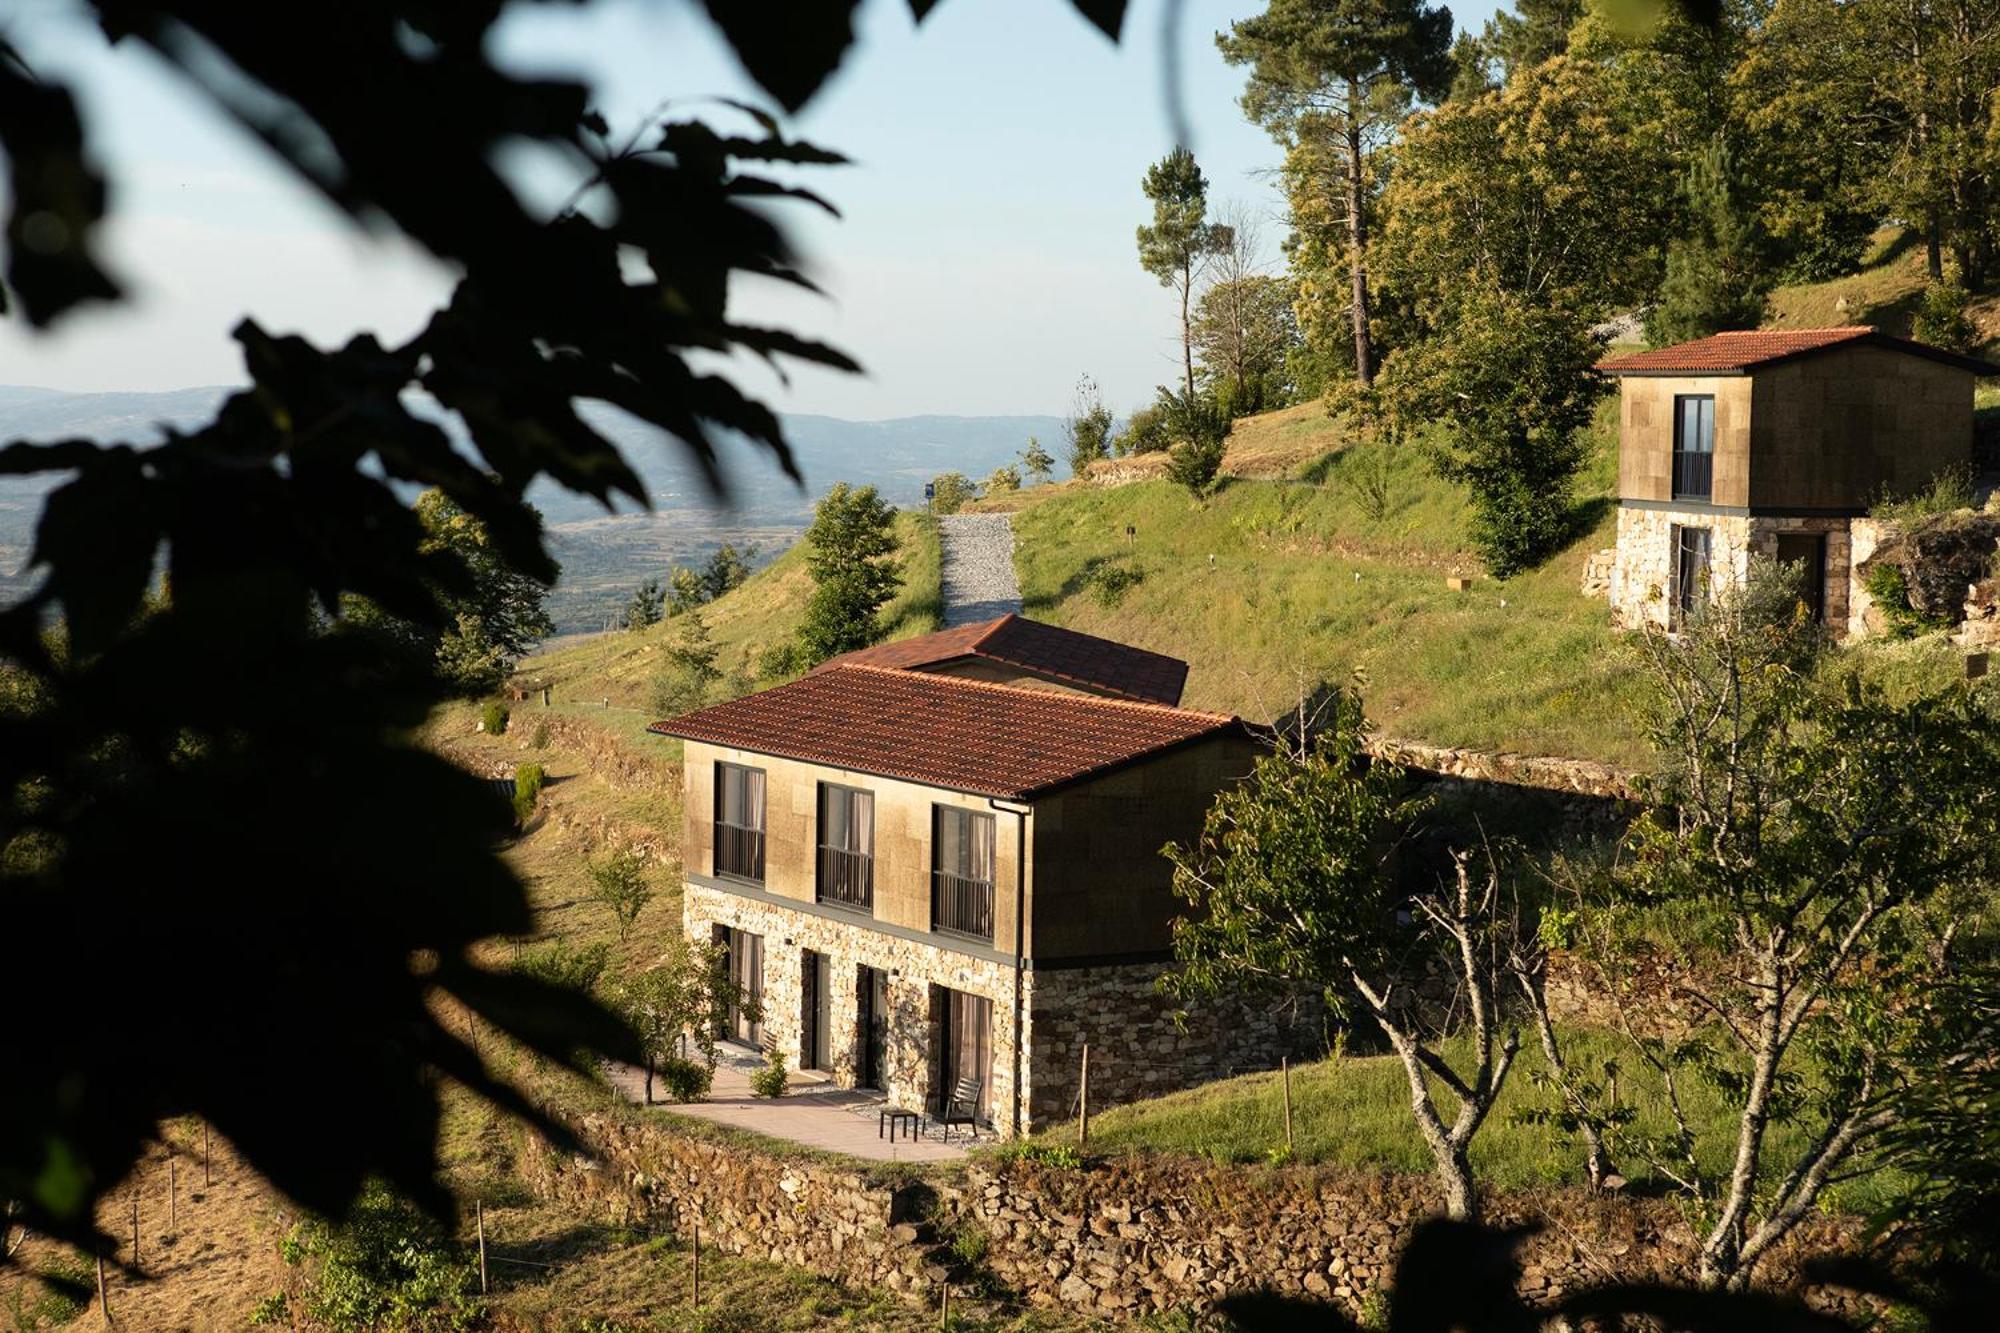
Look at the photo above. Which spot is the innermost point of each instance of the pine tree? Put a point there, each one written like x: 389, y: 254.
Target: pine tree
x: 1720, y: 271
x: 1177, y: 246
x: 647, y: 607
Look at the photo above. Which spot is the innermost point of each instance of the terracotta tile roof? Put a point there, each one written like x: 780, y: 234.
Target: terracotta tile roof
x: 943, y: 731
x: 1059, y: 654
x: 1734, y: 353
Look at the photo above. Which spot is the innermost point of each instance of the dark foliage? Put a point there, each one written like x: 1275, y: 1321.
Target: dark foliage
x: 222, y: 867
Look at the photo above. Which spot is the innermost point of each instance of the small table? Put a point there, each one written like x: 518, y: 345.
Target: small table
x: 912, y: 1123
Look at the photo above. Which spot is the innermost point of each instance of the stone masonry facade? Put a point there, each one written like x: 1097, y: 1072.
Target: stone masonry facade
x: 1643, y: 571
x: 1139, y: 1048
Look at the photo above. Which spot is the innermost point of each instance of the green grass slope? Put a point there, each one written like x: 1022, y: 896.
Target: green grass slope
x: 1338, y: 564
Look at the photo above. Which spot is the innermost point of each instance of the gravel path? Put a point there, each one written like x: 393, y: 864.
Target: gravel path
x: 977, y: 567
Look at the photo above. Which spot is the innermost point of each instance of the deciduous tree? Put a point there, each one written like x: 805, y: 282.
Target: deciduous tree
x: 850, y: 552
x: 1088, y: 426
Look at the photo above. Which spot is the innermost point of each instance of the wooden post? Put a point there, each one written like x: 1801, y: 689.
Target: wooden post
x: 1285, y: 1070
x: 697, y: 1263
x: 944, y: 1310
x: 1083, y: 1101
x: 103, y: 1297
x: 135, y: 1226
x: 173, y: 1197
x: 479, y: 1212
x: 204, y: 1155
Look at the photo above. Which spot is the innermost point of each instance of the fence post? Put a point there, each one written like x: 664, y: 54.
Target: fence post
x: 103, y: 1297
x: 944, y: 1310
x: 135, y: 1225
x: 173, y: 1197
x: 1285, y: 1070
x: 697, y: 1263
x: 479, y: 1211
x: 205, y: 1182
x: 1083, y: 1100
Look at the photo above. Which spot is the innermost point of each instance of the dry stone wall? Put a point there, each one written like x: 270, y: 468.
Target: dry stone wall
x: 1119, y: 1238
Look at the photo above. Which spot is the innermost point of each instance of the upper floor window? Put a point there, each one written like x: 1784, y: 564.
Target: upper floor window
x: 962, y: 871
x: 1694, y: 446
x: 846, y: 846
x: 739, y: 822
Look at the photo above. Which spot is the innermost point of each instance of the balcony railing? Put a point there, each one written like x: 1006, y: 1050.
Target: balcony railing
x: 846, y: 878
x: 1694, y: 475
x: 739, y: 851
x: 962, y: 906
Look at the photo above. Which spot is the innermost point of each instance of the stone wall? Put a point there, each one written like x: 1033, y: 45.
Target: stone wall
x: 1583, y: 777
x: 1643, y: 570
x: 1119, y: 1238
x: 1137, y: 1049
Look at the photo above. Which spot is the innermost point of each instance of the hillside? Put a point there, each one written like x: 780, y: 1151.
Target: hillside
x: 1884, y: 292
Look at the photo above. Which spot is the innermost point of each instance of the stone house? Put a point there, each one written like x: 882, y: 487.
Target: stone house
x: 1774, y: 442
x: 928, y: 877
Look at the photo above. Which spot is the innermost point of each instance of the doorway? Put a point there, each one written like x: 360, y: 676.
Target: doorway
x: 816, y: 1020
x: 743, y: 961
x: 872, y: 1026
x: 1807, y: 549
x: 965, y: 1048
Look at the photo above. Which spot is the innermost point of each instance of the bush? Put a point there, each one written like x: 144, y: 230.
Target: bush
x: 1145, y: 433
x: 1057, y: 1156
x: 386, y: 1266
x: 772, y: 1079
x: 1891, y: 591
x: 528, y: 781
x: 493, y: 721
x: 951, y: 492
x: 1942, y: 321
x: 619, y: 884
x: 560, y: 963
x: 1112, y: 582
x: 780, y: 662
x: 1003, y: 479
x: 1948, y: 491
x: 687, y: 1080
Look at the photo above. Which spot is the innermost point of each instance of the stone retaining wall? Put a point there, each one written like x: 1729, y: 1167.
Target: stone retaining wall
x: 1581, y: 777
x: 1119, y: 1238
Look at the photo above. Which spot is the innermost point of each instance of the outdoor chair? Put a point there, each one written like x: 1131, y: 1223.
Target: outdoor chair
x: 962, y: 1108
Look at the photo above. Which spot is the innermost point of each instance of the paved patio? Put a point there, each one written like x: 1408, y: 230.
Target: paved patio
x: 813, y: 1112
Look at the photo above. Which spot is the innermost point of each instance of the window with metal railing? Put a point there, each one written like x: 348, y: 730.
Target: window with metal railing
x: 962, y: 872
x: 846, y: 846
x: 1694, y: 446
x: 739, y: 822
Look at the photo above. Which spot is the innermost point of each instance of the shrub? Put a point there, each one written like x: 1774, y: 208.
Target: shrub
x: 1201, y: 430
x: 493, y: 721
x: 772, y: 1079
x: 273, y: 1309
x: 1112, y: 582
x: 1949, y: 490
x: 1891, y: 591
x: 539, y: 738
x: 951, y: 492
x: 779, y: 662
x: 1942, y: 321
x: 1145, y: 433
x: 686, y: 1080
x: 385, y: 1266
x: 1003, y: 479
x: 560, y: 963
x: 528, y: 781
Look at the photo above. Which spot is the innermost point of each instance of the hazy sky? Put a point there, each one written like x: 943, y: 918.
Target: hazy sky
x: 985, y: 258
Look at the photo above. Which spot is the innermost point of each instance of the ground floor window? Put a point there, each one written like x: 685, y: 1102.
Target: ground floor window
x: 744, y: 957
x: 1807, y: 551
x: 965, y: 1050
x: 1691, y: 571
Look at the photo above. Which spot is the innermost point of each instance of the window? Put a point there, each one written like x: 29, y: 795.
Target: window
x: 1807, y: 551
x: 743, y: 960
x: 1691, y: 552
x: 1694, y: 446
x: 961, y: 872
x: 739, y: 822
x: 846, y: 846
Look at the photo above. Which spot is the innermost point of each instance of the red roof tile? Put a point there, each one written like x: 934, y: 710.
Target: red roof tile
x: 1734, y: 353
x: 1065, y: 655
x: 943, y: 731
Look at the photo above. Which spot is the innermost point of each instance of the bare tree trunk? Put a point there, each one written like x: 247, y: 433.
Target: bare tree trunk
x: 1934, y: 247
x: 1596, y: 1158
x: 1357, y: 242
x: 1187, y: 327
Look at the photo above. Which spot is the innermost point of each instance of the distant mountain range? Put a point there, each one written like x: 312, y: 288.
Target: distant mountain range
x: 604, y: 555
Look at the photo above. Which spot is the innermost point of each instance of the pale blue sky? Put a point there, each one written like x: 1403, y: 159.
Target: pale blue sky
x: 985, y: 258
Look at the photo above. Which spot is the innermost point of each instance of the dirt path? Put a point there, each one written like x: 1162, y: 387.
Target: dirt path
x: 976, y: 567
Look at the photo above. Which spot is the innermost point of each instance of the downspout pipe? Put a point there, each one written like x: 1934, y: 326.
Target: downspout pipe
x: 1020, y: 813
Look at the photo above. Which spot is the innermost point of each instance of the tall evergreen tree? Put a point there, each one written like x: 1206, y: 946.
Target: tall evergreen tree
x: 1721, y: 268
x: 1180, y: 242
x: 1535, y: 31
x: 1346, y: 71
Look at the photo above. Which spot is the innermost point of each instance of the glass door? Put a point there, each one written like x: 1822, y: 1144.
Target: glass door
x: 966, y: 1049
x: 816, y: 1026
x: 873, y: 1026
